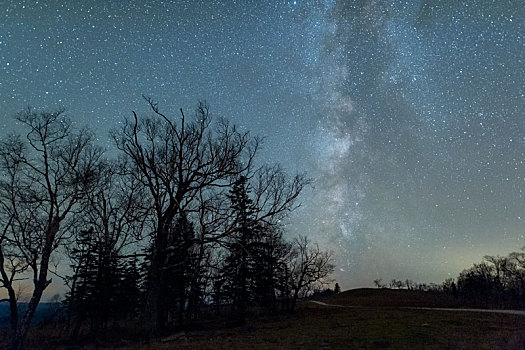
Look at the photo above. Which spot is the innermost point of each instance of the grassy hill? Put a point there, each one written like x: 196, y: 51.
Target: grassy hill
x: 368, y: 297
x: 317, y: 327
x: 377, y: 319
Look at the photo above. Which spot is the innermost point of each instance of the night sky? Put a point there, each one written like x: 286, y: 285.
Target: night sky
x: 409, y: 115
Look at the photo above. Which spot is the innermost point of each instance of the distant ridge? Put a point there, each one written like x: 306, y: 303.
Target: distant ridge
x: 43, y: 312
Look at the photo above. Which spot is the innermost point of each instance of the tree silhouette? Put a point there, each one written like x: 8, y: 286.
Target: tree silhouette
x: 184, y: 217
x: 52, y: 170
x: 176, y: 162
x: 241, y: 245
x: 115, y: 217
x: 308, y: 265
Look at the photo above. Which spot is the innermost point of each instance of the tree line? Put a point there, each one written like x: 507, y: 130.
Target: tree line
x: 181, y: 222
x: 496, y: 282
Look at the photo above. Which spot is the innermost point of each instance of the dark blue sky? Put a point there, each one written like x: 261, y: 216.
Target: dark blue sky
x: 409, y: 115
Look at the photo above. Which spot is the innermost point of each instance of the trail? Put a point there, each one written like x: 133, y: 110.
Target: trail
x: 508, y: 312
x: 331, y: 305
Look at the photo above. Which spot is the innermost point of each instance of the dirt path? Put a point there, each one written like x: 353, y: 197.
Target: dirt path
x: 509, y: 312
x: 331, y: 305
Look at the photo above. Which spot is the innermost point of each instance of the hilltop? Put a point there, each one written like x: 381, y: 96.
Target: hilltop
x: 375, y: 319
x: 384, y: 297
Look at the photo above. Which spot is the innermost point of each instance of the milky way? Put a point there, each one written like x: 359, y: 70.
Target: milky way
x: 408, y: 115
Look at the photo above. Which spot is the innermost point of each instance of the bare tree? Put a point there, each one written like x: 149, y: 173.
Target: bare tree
x: 52, y: 169
x: 379, y: 283
x: 308, y: 265
x: 114, y: 215
x: 396, y: 284
x: 11, y: 269
x: 12, y: 264
x: 409, y: 284
x: 275, y: 195
x: 176, y: 161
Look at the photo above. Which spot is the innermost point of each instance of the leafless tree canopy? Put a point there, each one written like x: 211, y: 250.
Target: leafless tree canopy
x: 185, y: 216
x: 45, y: 175
x: 309, y: 265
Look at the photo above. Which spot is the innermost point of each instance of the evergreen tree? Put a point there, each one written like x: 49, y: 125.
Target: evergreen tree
x: 103, y: 285
x: 256, y: 254
x: 237, y: 263
x: 181, y: 239
x: 79, y: 299
x: 268, y: 251
x: 128, y: 294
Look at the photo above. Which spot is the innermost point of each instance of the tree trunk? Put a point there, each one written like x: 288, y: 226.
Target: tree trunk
x: 156, y: 313
x: 40, y: 285
x: 13, y: 309
x: 13, y: 306
x: 19, y: 337
x: 296, y: 295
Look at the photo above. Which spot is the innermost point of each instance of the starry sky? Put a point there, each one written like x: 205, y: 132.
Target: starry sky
x: 408, y: 115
